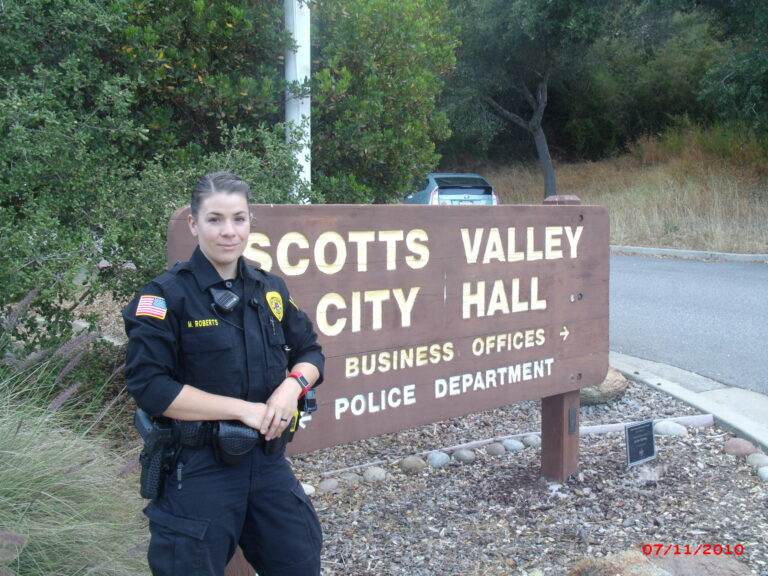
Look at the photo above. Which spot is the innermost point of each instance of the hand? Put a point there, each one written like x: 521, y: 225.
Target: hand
x: 281, y: 408
x: 254, y: 414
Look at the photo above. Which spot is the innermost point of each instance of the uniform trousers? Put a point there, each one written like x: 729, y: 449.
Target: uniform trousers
x: 258, y: 504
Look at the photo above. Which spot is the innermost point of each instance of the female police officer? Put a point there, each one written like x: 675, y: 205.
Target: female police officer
x: 211, y: 342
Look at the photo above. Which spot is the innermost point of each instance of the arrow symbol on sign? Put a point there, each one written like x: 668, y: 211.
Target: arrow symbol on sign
x: 564, y: 333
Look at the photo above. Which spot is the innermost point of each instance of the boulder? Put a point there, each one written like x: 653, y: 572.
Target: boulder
x: 495, y: 449
x: 374, y: 474
x: 739, y: 447
x: 513, y: 445
x: 669, y: 428
x: 412, y: 464
x: 614, y: 384
x: 700, y: 565
x: 635, y: 563
x: 757, y: 460
x: 464, y: 455
x: 438, y: 459
x: 629, y: 563
x: 329, y: 485
x: 532, y: 441
x: 309, y: 490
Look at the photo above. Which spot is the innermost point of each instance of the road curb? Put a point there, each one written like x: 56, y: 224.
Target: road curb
x: 688, y: 254
x: 692, y: 391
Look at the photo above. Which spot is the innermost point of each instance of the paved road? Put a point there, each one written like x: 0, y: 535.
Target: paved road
x: 706, y: 317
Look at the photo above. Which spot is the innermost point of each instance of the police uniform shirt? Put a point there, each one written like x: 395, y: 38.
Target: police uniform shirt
x: 177, y: 335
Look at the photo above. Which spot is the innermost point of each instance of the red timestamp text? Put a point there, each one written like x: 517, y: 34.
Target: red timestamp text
x: 693, y: 549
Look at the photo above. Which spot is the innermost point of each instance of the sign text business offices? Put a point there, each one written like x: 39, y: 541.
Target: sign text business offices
x: 431, y: 312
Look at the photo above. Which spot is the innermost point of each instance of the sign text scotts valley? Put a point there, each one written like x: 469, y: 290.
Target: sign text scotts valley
x: 431, y: 312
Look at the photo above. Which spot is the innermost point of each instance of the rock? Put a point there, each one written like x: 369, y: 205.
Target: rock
x: 758, y: 460
x: 438, y: 459
x: 613, y: 385
x: 374, y: 474
x: 762, y: 473
x: 495, y: 449
x: 669, y: 428
x: 464, y: 456
x: 351, y: 478
x: 309, y: 490
x: 629, y: 563
x: 648, y: 473
x: 532, y: 441
x: 700, y: 565
x: 328, y: 485
x: 513, y: 445
x: 739, y: 447
x: 412, y: 464
x: 80, y: 325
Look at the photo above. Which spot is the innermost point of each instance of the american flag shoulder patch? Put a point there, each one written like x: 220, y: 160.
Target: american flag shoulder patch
x: 154, y: 306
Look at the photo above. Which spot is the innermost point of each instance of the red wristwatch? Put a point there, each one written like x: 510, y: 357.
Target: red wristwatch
x: 303, y: 382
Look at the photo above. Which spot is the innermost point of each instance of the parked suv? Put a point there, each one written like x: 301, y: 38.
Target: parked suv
x: 454, y: 188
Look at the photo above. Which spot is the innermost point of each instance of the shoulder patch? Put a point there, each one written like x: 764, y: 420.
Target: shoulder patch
x: 154, y: 306
x: 275, y: 301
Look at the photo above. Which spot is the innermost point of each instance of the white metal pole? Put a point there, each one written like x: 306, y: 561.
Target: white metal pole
x: 298, y: 68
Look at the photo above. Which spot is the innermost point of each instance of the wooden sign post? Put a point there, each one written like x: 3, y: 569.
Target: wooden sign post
x: 432, y: 312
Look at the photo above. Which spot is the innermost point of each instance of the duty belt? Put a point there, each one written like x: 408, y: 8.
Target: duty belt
x: 199, y: 433
x: 193, y: 434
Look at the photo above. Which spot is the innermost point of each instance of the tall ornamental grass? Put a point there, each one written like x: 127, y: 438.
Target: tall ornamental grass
x: 65, y: 506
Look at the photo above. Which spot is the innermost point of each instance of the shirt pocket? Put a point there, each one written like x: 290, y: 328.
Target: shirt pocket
x: 211, y: 363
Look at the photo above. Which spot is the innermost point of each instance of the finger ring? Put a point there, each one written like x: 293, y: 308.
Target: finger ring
x: 283, y: 419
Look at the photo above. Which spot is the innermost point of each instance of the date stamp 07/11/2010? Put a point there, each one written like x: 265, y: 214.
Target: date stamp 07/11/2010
x: 693, y: 549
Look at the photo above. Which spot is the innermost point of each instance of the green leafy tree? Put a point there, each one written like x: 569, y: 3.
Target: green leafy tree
x: 511, y: 52
x: 638, y: 78
x: 203, y: 64
x: 260, y: 156
x: 65, y: 129
x: 380, y: 71
x: 80, y: 184
x: 737, y: 81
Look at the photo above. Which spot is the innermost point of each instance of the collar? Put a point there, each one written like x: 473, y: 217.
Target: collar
x: 206, y: 275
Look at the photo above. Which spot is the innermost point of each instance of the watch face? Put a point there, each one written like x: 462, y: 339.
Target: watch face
x: 300, y: 379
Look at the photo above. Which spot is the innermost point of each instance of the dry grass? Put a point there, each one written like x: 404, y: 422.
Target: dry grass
x: 691, y: 199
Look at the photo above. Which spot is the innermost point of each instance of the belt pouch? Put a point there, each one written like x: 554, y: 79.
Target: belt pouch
x: 277, y: 444
x: 233, y: 440
x: 193, y: 434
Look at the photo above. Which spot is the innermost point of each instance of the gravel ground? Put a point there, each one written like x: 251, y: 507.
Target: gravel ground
x: 497, y: 516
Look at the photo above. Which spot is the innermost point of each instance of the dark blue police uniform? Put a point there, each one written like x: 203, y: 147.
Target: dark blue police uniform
x: 177, y: 336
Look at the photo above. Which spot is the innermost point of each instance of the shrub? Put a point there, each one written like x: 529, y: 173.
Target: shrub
x: 64, y: 507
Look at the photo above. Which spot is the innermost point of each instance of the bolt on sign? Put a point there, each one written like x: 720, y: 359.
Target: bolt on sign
x: 432, y: 312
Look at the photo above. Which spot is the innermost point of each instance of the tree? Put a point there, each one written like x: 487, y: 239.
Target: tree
x: 640, y: 76
x: 79, y: 182
x: 380, y: 72
x: 737, y: 82
x: 65, y: 129
x: 201, y: 65
x: 510, y: 53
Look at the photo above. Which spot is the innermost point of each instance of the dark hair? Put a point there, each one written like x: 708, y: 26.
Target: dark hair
x: 214, y: 183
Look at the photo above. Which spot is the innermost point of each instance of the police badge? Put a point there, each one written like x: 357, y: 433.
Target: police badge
x: 275, y: 302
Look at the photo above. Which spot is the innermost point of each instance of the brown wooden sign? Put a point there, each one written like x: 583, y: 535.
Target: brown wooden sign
x: 431, y: 312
